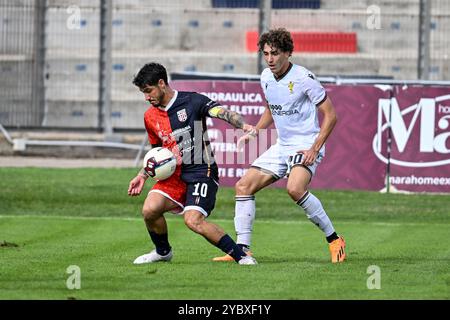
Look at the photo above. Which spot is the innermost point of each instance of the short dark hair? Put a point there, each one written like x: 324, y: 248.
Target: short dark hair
x: 279, y: 38
x: 150, y: 74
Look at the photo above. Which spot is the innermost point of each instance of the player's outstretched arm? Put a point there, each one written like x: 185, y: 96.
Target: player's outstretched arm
x: 137, y: 184
x: 236, y: 120
x: 264, y: 122
x: 233, y: 118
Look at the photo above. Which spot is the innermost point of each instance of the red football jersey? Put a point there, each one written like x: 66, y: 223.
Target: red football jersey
x: 159, y: 133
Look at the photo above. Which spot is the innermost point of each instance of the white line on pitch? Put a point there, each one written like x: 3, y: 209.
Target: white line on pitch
x: 219, y: 220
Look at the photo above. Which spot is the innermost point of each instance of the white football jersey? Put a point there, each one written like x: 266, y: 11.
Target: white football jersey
x: 293, y: 101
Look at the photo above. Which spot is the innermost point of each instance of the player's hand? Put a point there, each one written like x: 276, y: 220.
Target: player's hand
x: 309, y: 156
x: 250, y: 134
x: 136, y: 186
x: 248, y: 128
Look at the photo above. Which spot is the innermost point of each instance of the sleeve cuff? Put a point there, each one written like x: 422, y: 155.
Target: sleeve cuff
x: 322, y: 101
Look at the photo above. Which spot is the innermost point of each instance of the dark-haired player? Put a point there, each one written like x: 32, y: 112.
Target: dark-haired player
x: 177, y: 120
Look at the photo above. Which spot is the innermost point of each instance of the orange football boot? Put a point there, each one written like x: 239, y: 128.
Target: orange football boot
x: 337, y: 250
x: 227, y: 257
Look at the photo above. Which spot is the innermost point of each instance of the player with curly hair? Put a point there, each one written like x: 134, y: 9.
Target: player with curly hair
x: 294, y: 98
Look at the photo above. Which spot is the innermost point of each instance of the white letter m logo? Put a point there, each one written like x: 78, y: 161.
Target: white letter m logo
x: 400, y: 132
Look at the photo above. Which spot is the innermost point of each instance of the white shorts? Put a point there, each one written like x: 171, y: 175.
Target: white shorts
x: 279, y: 160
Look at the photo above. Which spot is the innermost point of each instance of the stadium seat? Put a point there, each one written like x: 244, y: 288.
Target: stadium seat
x: 336, y: 42
x: 276, y: 4
x: 299, y: 4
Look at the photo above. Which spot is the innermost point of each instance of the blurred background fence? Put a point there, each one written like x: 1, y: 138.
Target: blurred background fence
x: 50, y: 50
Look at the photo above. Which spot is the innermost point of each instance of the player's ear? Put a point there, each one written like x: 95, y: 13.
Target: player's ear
x: 161, y: 84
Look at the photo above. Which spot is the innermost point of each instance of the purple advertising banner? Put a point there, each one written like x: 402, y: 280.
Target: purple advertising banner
x: 349, y: 161
x: 420, y: 130
x: 356, y: 151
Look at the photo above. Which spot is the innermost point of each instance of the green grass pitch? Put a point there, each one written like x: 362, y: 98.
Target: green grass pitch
x: 51, y: 219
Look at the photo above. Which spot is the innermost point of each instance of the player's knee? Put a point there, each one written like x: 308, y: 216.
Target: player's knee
x: 151, y: 213
x: 295, y: 193
x: 243, y: 187
x: 193, y: 222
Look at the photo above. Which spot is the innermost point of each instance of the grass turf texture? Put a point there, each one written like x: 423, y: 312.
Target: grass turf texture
x: 83, y: 217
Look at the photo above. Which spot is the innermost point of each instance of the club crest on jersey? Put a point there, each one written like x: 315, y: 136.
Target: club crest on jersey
x: 182, y: 115
x: 291, y: 87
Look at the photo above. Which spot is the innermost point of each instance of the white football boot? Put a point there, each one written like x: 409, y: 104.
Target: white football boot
x: 247, y: 260
x: 153, y: 257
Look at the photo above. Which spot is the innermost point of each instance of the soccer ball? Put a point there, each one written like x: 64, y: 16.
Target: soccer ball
x: 160, y: 163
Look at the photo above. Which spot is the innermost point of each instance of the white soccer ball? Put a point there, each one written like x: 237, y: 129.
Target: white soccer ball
x: 160, y: 163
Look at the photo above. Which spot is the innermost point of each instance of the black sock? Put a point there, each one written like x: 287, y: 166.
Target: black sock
x: 243, y: 246
x: 332, y: 237
x: 227, y: 245
x: 161, y: 242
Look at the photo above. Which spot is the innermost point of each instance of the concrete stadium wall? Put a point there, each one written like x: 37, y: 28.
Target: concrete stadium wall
x: 195, y: 38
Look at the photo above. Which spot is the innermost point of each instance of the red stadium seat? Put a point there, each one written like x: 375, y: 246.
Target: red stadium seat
x: 313, y: 41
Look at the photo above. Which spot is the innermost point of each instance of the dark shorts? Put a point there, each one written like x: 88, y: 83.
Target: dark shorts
x: 201, y: 196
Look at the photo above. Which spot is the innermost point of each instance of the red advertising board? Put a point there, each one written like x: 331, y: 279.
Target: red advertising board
x: 357, y: 150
